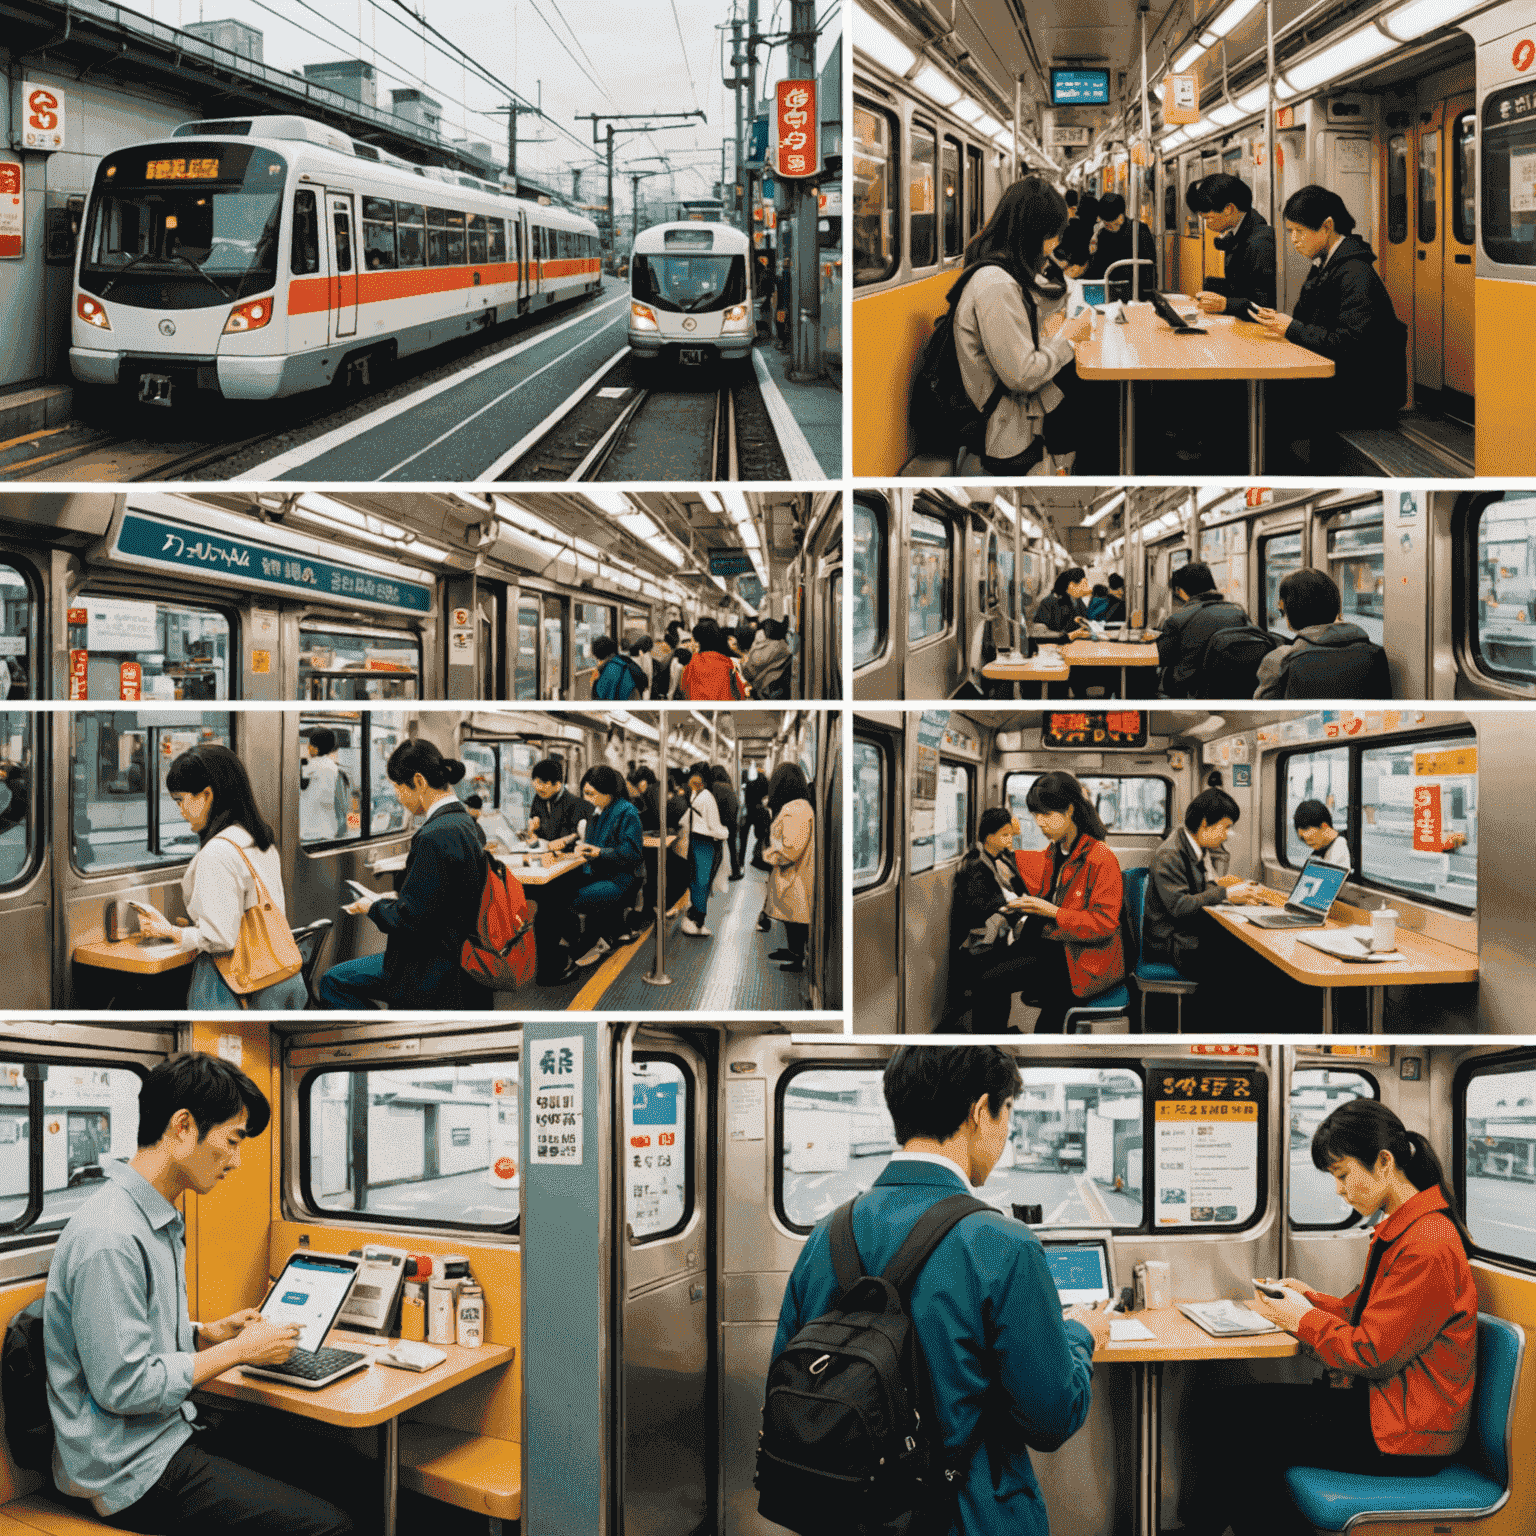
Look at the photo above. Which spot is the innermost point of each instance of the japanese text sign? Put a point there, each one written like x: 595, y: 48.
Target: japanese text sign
x: 795, y: 125
x: 42, y: 117
x: 556, y: 1108
x: 13, y: 208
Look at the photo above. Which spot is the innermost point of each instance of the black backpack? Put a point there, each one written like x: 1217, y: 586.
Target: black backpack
x: 939, y: 408
x: 1356, y: 671
x: 24, y: 1391
x: 850, y: 1442
x: 1229, y: 665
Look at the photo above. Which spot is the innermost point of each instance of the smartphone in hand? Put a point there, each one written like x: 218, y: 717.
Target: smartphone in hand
x: 362, y: 892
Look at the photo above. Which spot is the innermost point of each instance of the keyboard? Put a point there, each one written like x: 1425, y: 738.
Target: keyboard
x: 1283, y: 920
x: 313, y: 1364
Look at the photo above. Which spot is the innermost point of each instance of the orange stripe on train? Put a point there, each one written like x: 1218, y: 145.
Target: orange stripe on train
x: 315, y: 295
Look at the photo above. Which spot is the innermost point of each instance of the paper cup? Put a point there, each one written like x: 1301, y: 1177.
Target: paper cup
x: 1384, y: 929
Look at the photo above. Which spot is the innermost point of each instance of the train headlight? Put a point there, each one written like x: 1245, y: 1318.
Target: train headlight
x: 642, y: 318
x: 737, y: 318
x: 250, y: 316
x: 92, y: 312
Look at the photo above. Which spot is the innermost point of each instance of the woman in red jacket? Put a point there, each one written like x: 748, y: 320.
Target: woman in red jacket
x: 712, y: 673
x: 1401, y: 1347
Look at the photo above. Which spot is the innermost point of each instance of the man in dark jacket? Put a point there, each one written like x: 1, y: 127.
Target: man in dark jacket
x: 554, y: 816
x: 1186, y: 632
x: 1064, y: 610
x: 1247, y: 243
x: 755, y: 793
x: 1329, y: 658
x: 1113, y: 243
x: 730, y: 815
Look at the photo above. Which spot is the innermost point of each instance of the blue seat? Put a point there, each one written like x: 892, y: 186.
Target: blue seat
x: 1114, y: 1004
x: 1470, y: 1488
x: 1152, y: 975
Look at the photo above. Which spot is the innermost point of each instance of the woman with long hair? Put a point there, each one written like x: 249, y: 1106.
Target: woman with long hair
x: 711, y: 674
x: 438, y: 905
x: 791, y: 852
x: 706, y: 832
x: 1401, y: 1347
x: 237, y: 857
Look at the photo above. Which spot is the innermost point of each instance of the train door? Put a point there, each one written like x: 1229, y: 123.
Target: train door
x: 937, y: 658
x: 664, y: 1255
x: 537, y: 252
x: 555, y: 625
x: 1428, y: 250
x: 489, y: 602
x: 876, y: 661
x: 1396, y: 260
x: 1460, y: 243
x: 343, y: 226
x: 940, y: 811
x: 878, y: 858
x: 26, y: 858
x: 526, y: 625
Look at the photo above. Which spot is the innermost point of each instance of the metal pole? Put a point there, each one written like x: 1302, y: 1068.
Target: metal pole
x: 1132, y: 182
x: 1018, y: 123
x: 1269, y: 135
x: 613, y: 232
x: 805, y: 361
x: 512, y: 144
x: 657, y: 975
x: 747, y: 223
x: 736, y: 83
x: 1019, y: 640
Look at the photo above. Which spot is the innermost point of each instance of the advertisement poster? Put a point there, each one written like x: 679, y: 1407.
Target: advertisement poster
x: 1205, y: 1147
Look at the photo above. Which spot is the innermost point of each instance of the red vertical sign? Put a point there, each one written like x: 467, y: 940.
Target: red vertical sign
x: 130, y: 681
x: 1427, y: 837
x: 12, y: 209
x: 795, y: 119
x: 77, y: 674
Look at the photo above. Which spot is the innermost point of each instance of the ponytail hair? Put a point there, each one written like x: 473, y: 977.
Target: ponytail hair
x: 419, y: 756
x: 1365, y: 1128
x: 1314, y: 205
x: 1058, y: 791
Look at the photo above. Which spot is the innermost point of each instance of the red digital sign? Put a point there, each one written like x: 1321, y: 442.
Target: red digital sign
x: 1094, y: 730
x: 794, y: 103
x: 182, y: 170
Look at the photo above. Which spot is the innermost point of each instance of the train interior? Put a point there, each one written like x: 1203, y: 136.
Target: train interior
x: 357, y: 597
x: 920, y: 782
x: 1444, y: 581
x: 88, y: 825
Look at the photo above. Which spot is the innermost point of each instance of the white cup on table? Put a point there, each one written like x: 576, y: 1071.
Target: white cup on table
x: 1384, y: 929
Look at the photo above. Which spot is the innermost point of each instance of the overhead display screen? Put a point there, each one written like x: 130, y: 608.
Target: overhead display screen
x: 1079, y: 87
x: 1069, y: 730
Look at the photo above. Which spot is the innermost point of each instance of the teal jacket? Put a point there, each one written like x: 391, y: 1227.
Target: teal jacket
x: 991, y: 1330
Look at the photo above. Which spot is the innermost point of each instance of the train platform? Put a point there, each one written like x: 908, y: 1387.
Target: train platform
x: 816, y: 409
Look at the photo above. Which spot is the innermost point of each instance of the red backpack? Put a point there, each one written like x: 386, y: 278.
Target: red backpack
x: 500, y: 953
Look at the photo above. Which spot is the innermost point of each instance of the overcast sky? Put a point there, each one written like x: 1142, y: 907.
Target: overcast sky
x: 646, y: 56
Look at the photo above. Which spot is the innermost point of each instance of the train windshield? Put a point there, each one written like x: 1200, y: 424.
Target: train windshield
x: 690, y: 284
x: 183, y: 226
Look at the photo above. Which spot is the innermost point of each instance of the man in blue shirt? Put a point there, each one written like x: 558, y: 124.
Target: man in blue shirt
x: 1008, y: 1370
x: 123, y: 1357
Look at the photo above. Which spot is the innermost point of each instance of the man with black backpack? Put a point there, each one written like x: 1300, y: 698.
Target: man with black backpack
x: 1189, y: 629
x: 1330, y: 658
x: 922, y: 1349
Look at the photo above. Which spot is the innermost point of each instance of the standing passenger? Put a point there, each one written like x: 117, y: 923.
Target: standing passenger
x: 729, y: 802
x: 711, y: 674
x: 705, y: 834
x: 791, y: 852
x: 325, y: 796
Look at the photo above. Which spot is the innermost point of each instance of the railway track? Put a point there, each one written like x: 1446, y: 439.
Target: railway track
x: 100, y: 457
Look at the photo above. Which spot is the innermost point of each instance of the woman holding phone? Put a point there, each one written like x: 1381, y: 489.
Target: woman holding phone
x: 614, y: 848
x: 1401, y: 1348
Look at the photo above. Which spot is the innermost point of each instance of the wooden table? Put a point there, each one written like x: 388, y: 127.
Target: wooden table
x: 1425, y: 962
x: 1146, y: 348
x: 151, y: 958
x: 1028, y: 669
x: 1110, y: 653
x: 540, y: 873
x: 1177, y: 1339
x: 373, y: 1398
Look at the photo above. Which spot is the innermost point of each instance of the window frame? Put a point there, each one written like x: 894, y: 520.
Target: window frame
x: 954, y: 538
x: 319, y: 624
x: 1397, y: 217
x: 36, y: 817
x: 304, y: 220
x: 690, y: 1162
x: 950, y: 144
x: 878, y: 508
x: 883, y: 748
x: 196, y: 604
x: 1465, y: 592
x: 1263, y: 541
x: 1167, y: 783
x: 15, y: 560
x: 971, y: 813
x: 1353, y: 1218
x: 1521, y: 1059
x: 365, y: 835
x: 1496, y: 143
x: 1456, y: 139
x: 895, y: 200
x: 303, y: 1091
x: 927, y: 132
x: 975, y: 173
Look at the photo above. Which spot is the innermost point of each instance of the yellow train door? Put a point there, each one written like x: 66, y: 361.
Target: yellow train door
x: 1397, y: 262
x: 1429, y: 251
x: 1461, y: 236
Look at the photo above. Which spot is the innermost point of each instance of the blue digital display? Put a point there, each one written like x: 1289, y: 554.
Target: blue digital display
x: 1079, y: 87
x: 1079, y: 1271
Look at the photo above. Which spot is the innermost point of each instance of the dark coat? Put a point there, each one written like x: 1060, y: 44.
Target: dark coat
x: 726, y: 799
x: 977, y: 895
x: 1176, y: 894
x: 1115, y: 245
x: 1059, y: 613
x: 1345, y: 313
x: 558, y: 817
x: 1185, y: 633
x: 1248, y: 276
x: 618, y: 832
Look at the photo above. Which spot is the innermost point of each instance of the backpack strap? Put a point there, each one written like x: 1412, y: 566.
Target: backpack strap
x: 847, y: 1266
x: 931, y: 1228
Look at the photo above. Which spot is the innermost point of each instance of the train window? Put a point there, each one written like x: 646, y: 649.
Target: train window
x: 411, y: 234
x: 1509, y: 176
x: 869, y: 820
x: 304, y: 256
x: 437, y: 237
x: 1129, y: 806
x: 1225, y: 550
x: 517, y: 760
x: 1170, y: 207
x: 1315, y: 1093
x: 482, y: 777
x: 1318, y: 775
x: 18, y: 640
x: 658, y: 1193
x: 118, y: 763
x: 1418, y: 819
x: 17, y: 796
x: 525, y: 664
x: 928, y: 577
x: 876, y: 252
x: 434, y: 1144
x: 1279, y: 555
x: 477, y: 238
x: 973, y: 195
x: 122, y: 648
x: 591, y: 620
x: 339, y: 665
x: 952, y: 813
x: 378, y: 234
x: 868, y: 583
x: 554, y: 647
x: 1397, y: 188
x: 495, y: 239
x: 951, y: 184
x: 359, y: 802
x: 1496, y: 1122
x: 1503, y: 609
x: 1464, y: 179
x: 1355, y: 563
x: 1075, y: 1145
x: 922, y: 207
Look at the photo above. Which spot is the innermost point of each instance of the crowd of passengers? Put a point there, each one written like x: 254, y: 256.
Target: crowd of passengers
x: 609, y: 900
x: 1209, y: 648
x: 1052, y: 927
x: 711, y: 662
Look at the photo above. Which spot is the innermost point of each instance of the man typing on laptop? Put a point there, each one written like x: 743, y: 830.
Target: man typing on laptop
x: 123, y: 1358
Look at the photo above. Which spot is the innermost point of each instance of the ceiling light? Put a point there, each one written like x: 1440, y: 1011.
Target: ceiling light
x: 1357, y: 49
x: 1254, y: 100
x: 614, y: 503
x: 1207, y: 494
x: 966, y: 110
x: 988, y: 127
x: 1420, y: 16
x: 712, y: 501
x: 1226, y: 114
x: 1188, y: 57
x: 639, y: 524
x: 1100, y: 513
x: 937, y: 87
x: 1233, y: 17
x: 880, y: 44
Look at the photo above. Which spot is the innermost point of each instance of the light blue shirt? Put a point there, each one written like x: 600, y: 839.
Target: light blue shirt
x: 119, y: 1343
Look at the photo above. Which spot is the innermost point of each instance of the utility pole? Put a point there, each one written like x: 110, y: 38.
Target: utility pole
x: 736, y: 83
x: 804, y: 359
x: 746, y: 180
x: 647, y: 122
x: 635, y: 178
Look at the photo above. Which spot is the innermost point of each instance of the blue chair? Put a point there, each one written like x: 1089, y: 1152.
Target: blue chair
x: 1152, y: 975
x: 1114, y: 1004
x: 1472, y: 1487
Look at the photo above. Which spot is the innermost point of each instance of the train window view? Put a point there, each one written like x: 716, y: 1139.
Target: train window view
x: 1125, y: 804
x: 952, y: 813
x: 876, y: 237
x: 659, y: 1152
x: 928, y: 591
x: 1503, y: 608
x: 358, y: 665
x: 1498, y: 1109
x: 869, y: 797
x: 1418, y: 829
x: 122, y: 649
x: 344, y: 793
x: 1322, y: 775
x: 16, y: 794
x: 1315, y: 1094
x: 16, y: 631
x: 868, y: 587
x: 121, y: 814
x: 434, y: 1144
x: 1279, y: 555
x: 1074, y: 1147
x: 1355, y: 563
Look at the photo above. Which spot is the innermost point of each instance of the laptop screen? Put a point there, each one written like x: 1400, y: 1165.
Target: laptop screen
x: 309, y: 1292
x: 1317, y: 887
x: 1079, y: 1270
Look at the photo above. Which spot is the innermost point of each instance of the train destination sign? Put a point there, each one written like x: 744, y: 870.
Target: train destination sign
x: 157, y: 543
x: 1205, y: 1145
x: 1071, y: 730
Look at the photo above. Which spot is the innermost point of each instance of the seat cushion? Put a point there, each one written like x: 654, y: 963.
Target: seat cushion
x: 1158, y: 970
x: 1330, y: 1500
x: 1116, y: 997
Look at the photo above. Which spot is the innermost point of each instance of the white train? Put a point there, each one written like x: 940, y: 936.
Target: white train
x: 691, y: 297
x: 265, y: 256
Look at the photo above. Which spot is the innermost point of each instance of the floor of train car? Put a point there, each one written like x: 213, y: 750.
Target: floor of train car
x: 728, y: 971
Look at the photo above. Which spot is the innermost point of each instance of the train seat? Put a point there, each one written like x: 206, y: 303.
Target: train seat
x: 1152, y: 976
x: 469, y: 1471
x: 1082, y: 1018
x: 36, y: 1512
x: 1385, y: 451
x: 1472, y: 1487
x: 311, y: 941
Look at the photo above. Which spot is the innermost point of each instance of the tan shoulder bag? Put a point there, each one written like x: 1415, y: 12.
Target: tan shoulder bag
x: 264, y: 952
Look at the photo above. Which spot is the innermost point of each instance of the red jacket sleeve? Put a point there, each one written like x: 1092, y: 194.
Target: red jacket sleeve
x: 1101, y: 916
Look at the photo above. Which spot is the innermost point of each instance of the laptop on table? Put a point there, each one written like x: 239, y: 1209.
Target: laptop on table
x: 1312, y: 897
x: 1082, y: 1267
x: 311, y: 1292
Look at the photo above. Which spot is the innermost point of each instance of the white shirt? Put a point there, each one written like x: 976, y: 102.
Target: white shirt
x: 937, y: 1158
x: 317, y: 801
x: 1199, y: 852
x: 217, y: 888
x: 1337, y: 852
x: 704, y: 817
x: 439, y: 805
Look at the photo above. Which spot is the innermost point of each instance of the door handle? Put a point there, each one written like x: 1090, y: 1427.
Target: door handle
x: 1422, y: 255
x: 1463, y: 261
